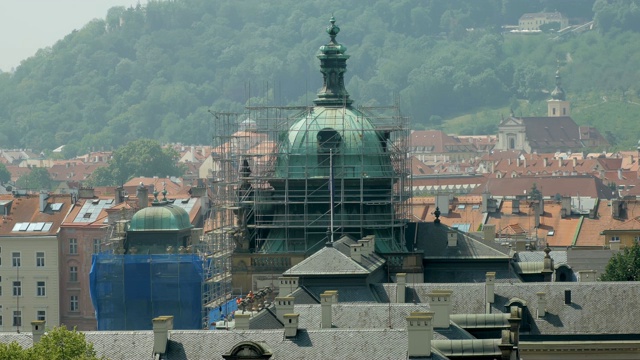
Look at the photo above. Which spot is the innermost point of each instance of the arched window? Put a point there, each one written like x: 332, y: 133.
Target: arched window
x: 328, y: 139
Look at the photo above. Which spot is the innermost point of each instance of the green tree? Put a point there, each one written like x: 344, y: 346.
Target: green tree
x: 5, y: 175
x: 36, y: 179
x: 57, y: 344
x: 141, y: 157
x: 624, y: 266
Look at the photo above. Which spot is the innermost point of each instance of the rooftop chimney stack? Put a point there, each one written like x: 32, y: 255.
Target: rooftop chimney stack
x: 284, y: 305
x: 327, y: 299
x: 288, y: 284
x: 161, y: 327
x: 356, y: 252
x: 542, y: 305
x: 419, y: 334
x: 43, y: 200
x: 291, y: 325
x: 401, y: 288
x: 242, y: 320
x: 514, y: 323
x: 37, y: 330
x: 452, y: 238
x: 567, y: 297
x: 440, y: 303
x: 119, y: 195
x: 489, y: 287
x: 143, y: 196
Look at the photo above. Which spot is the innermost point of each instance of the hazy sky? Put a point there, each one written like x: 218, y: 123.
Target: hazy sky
x: 28, y: 25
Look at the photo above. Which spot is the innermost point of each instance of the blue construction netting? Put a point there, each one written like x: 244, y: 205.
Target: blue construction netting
x: 128, y: 291
x: 222, y: 312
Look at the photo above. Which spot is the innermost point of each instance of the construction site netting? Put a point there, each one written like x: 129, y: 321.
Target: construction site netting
x: 128, y: 291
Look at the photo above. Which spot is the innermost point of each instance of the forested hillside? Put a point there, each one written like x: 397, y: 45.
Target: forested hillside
x: 154, y: 71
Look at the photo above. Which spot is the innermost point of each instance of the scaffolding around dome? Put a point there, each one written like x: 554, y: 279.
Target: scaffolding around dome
x: 272, y: 183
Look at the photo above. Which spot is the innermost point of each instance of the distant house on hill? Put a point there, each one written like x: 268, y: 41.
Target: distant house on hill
x: 532, y: 21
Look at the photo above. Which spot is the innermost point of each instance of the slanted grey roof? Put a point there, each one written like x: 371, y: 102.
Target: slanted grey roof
x: 265, y: 319
x: 327, y: 261
x: 589, y: 259
x: 348, y: 293
x: 432, y: 239
x: 559, y: 256
x: 591, y: 312
x: 304, y: 296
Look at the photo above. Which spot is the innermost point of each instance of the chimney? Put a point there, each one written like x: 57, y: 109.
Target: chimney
x: 547, y: 267
x: 515, y: 319
x: 242, y: 320
x: 401, y: 288
x: 489, y: 287
x: 86, y: 193
x: 119, y: 195
x: 575, y: 162
x: 518, y: 162
x: 442, y: 201
x: 37, y: 329
x: 485, y: 202
x: 43, y: 200
x: 284, y: 305
x: 489, y: 232
x: 291, y: 325
x: 559, y: 162
x: 327, y: 299
x: 368, y: 245
x: 356, y: 252
x: 506, y: 345
x: 566, y: 206
x: 419, y: 334
x: 440, y: 303
x: 567, y: 297
x: 143, y: 196
x: 452, y: 238
x: 542, y: 305
x: 545, y: 162
x: 619, y: 174
x: 161, y: 327
x: 288, y: 284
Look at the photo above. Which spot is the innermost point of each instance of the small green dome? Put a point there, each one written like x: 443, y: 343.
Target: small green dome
x: 160, y: 218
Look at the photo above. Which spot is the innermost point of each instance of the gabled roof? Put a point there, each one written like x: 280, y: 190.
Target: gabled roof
x: 582, y: 185
x: 26, y: 219
x: 432, y: 239
x: 327, y: 261
x: 557, y: 132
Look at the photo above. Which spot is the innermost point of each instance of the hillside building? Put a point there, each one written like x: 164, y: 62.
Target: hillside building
x: 532, y: 21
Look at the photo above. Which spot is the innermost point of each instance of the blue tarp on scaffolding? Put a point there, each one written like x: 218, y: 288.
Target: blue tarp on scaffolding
x: 128, y: 291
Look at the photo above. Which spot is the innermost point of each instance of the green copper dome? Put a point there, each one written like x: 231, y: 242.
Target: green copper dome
x: 359, y: 150
x: 160, y: 218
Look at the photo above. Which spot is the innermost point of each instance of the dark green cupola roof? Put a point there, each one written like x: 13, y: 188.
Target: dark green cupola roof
x: 558, y: 92
x: 333, y: 65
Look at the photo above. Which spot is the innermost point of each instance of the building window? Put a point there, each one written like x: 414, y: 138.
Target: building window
x: 0, y: 290
x: 73, y: 273
x: 40, y: 259
x: 17, y: 318
x: 564, y: 111
x: 96, y: 246
x: 41, y: 315
x: 15, y: 259
x: 17, y: 288
x: 73, y: 304
x: 615, y: 238
x: 73, y: 246
x: 553, y: 110
x: 0, y: 256
x: 40, y: 288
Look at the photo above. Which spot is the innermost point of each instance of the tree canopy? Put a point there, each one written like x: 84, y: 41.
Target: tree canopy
x: 5, y: 175
x: 37, y: 179
x: 143, y: 157
x: 154, y: 71
x: 56, y: 344
x: 624, y: 266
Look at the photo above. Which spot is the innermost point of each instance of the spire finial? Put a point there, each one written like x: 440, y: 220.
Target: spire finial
x: 333, y: 65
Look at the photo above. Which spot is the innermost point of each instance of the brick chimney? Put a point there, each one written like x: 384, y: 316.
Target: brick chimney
x: 242, y: 320
x: 541, y: 311
x: 327, y: 299
x: 43, y: 200
x: 489, y: 287
x: 291, y: 325
x: 37, y: 330
x: 419, y: 335
x: 452, y: 238
x: 356, y: 252
x: 288, y: 284
x: 284, y: 305
x: 401, y: 288
x: 143, y: 196
x: 161, y: 327
x: 440, y: 303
